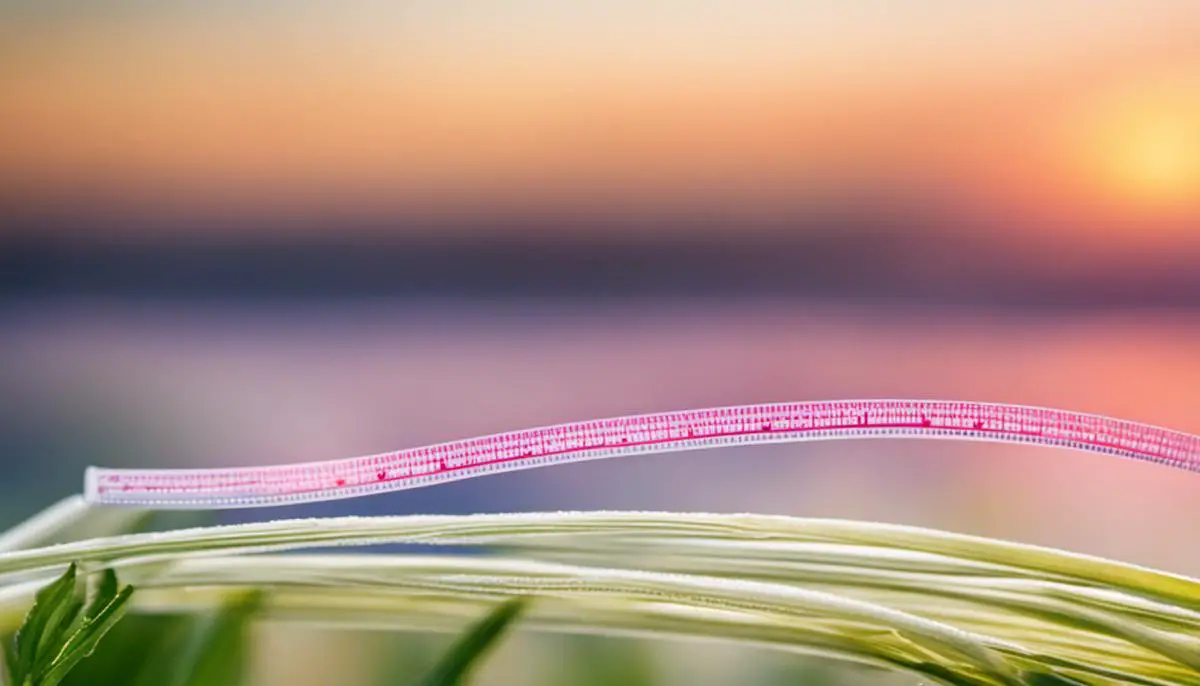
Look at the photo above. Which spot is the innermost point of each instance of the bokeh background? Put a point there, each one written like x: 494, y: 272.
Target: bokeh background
x: 238, y: 233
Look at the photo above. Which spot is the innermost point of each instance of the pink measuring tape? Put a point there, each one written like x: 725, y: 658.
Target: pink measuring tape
x: 652, y: 433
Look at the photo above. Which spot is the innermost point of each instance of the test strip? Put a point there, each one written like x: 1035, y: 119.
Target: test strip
x: 263, y: 486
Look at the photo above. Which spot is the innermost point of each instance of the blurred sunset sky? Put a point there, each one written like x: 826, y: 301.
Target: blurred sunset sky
x: 1071, y: 120
x: 265, y: 232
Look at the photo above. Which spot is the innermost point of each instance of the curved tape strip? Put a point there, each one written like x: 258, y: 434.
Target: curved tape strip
x: 653, y: 433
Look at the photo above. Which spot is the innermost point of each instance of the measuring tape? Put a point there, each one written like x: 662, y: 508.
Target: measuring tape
x: 651, y: 433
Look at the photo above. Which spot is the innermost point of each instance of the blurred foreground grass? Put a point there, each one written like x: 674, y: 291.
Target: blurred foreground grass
x: 744, y: 599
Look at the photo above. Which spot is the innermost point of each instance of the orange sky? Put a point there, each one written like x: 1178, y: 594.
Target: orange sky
x: 1072, y: 108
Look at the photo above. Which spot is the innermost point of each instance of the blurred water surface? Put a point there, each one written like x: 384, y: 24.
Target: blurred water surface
x: 160, y: 386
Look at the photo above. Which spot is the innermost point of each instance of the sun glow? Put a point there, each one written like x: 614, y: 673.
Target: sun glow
x: 1144, y: 150
x: 1158, y: 158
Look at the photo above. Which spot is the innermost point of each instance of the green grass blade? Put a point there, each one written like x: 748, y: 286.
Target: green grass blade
x: 214, y: 649
x: 953, y: 608
x: 105, y: 593
x: 49, y: 605
x: 1160, y: 628
x: 126, y: 651
x: 81, y: 644
x: 72, y: 519
x: 41, y: 528
x: 594, y: 530
x: 12, y: 676
x: 55, y: 634
x: 471, y: 647
x: 490, y: 577
x: 1014, y: 620
x: 615, y: 618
